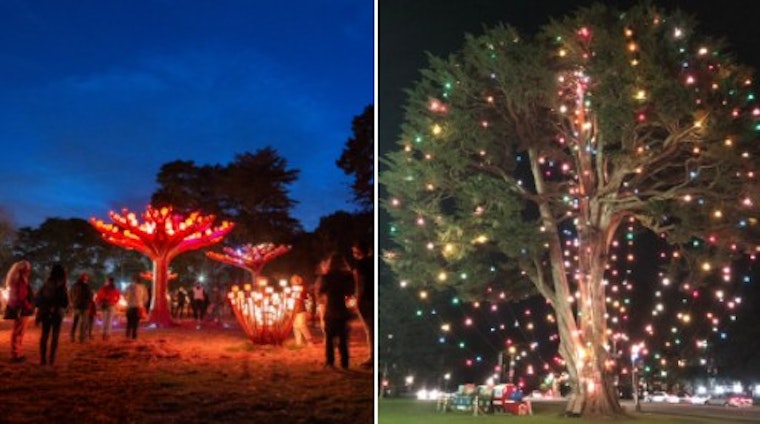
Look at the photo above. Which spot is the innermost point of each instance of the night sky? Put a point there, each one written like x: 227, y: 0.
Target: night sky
x: 96, y: 95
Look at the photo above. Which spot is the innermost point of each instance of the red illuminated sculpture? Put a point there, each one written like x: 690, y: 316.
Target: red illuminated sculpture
x: 265, y: 312
x: 249, y: 257
x: 161, y: 236
x: 148, y: 275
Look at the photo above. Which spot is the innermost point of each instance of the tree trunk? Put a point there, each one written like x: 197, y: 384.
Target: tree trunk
x: 593, y: 393
x: 160, y: 313
x: 597, y: 395
x: 582, y: 325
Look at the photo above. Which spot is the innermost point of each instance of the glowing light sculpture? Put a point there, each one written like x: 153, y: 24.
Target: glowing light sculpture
x: 264, y: 312
x: 148, y: 275
x: 161, y: 236
x: 249, y: 257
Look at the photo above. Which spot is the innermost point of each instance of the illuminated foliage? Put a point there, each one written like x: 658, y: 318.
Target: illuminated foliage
x: 161, y: 236
x: 249, y: 257
x: 522, y: 161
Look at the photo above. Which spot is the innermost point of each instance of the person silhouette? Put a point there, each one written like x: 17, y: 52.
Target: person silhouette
x: 335, y: 285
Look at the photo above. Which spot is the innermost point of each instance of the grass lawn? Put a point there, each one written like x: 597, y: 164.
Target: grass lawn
x: 412, y: 411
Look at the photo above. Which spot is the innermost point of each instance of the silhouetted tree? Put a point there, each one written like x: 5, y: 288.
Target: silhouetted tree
x: 338, y: 231
x: 7, y: 238
x: 72, y: 242
x: 358, y: 158
x: 251, y: 191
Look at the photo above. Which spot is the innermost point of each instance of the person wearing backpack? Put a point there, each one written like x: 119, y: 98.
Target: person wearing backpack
x: 81, y: 297
x: 106, y: 299
x: 52, y: 300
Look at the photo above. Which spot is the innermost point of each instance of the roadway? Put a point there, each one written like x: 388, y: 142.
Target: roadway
x: 746, y: 414
x: 721, y: 414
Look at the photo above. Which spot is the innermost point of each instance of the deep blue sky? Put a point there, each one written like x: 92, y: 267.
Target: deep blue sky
x: 96, y: 95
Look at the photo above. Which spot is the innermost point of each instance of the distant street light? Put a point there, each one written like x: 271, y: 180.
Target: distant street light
x: 635, y: 356
x: 511, y: 372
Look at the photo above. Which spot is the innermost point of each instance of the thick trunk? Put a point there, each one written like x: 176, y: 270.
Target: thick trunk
x: 582, y: 324
x: 593, y: 391
x: 596, y: 395
x: 160, y: 314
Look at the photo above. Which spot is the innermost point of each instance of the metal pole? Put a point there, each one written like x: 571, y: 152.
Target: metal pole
x: 501, y: 367
x: 512, y: 351
x: 636, y: 401
x: 511, y: 368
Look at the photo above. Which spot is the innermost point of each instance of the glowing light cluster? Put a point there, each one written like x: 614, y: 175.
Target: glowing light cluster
x: 265, y: 312
x: 250, y: 257
x: 161, y: 236
x: 162, y: 231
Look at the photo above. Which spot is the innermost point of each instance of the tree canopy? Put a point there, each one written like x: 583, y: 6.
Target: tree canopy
x: 358, y: 158
x: 72, y: 242
x: 252, y: 191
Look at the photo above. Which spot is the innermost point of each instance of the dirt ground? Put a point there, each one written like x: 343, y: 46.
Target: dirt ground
x: 182, y: 375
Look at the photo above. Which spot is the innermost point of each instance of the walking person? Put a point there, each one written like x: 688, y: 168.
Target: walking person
x: 181, y: 302
x: 92, y: 311
x: 199, y: 303
x: 364, y: 272
x: 80, y: 298
x: 19, y: 306
x: 52, y: 301
x: 106, y: 299
x: 319, y: 303
x: 217, y: 304
x: 300, y: 314
x: 336, y: 284
x: 136, y: 295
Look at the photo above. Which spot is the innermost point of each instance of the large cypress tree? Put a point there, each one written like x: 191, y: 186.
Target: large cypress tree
x: 520, y: 159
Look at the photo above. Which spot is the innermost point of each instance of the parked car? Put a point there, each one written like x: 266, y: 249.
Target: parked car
x: 661, y: 397
x: 695, y: 399
x: 735, y: 400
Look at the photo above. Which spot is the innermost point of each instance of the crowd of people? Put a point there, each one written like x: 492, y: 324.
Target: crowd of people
x: 336, y: 282
x: 55, y: 299
x: 203, y: 306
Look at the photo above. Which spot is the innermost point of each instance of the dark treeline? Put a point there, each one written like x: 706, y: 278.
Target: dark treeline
x: 252, y: 191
